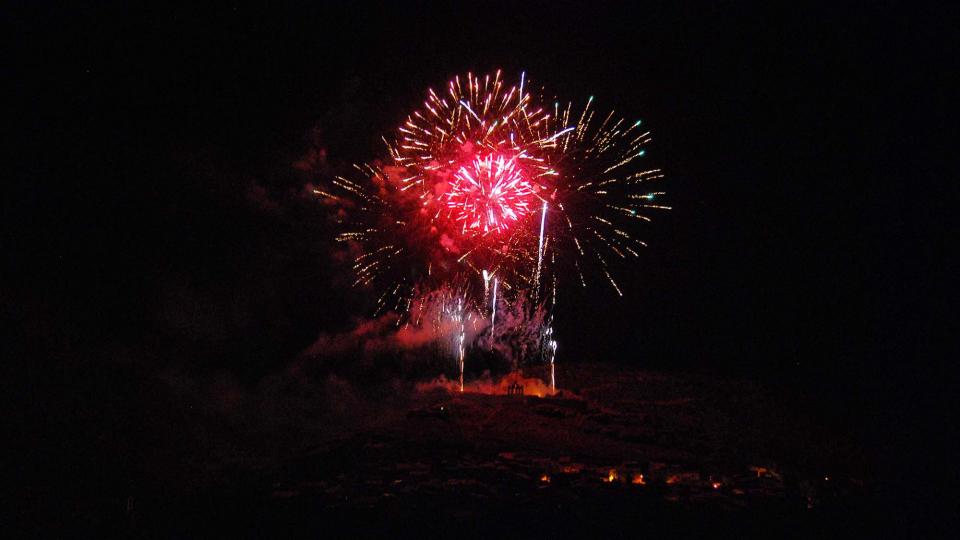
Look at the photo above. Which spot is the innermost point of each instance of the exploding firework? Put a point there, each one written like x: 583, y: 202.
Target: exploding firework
x: 382, y: 230
x: 488, y: 161
x: 488, y: 195
x: 474, y: 157
x: 486, y: 186
x: 600, y: 194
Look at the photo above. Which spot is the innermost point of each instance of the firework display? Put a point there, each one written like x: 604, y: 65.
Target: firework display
x: 500, y: 191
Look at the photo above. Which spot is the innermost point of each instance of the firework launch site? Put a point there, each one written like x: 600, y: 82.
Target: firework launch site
x: 621, y: 452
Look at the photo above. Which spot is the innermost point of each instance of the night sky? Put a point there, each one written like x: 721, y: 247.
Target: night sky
x: 158, y: 218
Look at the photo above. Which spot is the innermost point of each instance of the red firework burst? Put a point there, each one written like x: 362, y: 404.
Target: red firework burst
x: 487, y: 179
x: 489, y: 194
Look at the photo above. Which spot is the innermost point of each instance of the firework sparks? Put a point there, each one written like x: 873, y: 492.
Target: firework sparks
x: 493, y: 308
x: 543, y: 222
x: 488, y: 195
x: 468, y: 172
x: 461, y: 333
x: 549, y: 346
x: 601, y: 192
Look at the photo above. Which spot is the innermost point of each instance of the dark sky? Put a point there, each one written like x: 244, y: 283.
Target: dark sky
x: 157, y: 209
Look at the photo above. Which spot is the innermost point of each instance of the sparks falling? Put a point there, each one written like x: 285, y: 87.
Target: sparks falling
x: 543, y: 222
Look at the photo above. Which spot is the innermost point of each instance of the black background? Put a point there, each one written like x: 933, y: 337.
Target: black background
x: 155, y: 217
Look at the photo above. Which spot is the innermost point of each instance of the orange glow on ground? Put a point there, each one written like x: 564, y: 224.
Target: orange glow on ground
x: 612, y: 476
